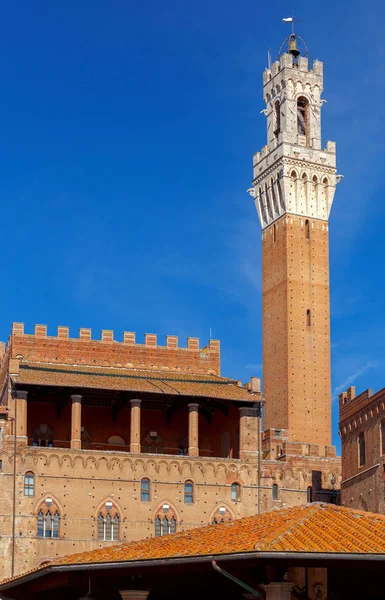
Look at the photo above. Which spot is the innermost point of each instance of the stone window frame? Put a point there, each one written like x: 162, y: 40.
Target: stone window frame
x: 48, y: 515
x: 165, y: 523
x: 236, y: 491
x: 28, y: 485
x: 108, y: 523
x: 143, y: 491
x: 189, y: 494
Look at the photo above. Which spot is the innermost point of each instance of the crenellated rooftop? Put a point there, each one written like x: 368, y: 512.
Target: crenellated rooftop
x: 109, y: 352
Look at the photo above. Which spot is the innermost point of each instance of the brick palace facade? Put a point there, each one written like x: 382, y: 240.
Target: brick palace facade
x: 105, y: 440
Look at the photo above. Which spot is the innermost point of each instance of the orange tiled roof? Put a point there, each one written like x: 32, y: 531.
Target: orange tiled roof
x: 316, y: 528
x: 312, y: 528
x: 136, y: 380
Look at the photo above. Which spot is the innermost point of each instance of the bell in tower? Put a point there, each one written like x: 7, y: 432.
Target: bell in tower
x: 293, y: 48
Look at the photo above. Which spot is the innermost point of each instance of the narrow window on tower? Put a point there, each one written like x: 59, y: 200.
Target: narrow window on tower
x: 325, y: 190
x: 383, y: 436
x: 302, y: 116
x: 307, y: 229
x: 293, y: 185
x: 274, y: 233
x: 361, y: 449
x: 308, y: 318
x: 304, y: 187
x: 277, y: 118
x: 275, y: 492
x: 315, y: 189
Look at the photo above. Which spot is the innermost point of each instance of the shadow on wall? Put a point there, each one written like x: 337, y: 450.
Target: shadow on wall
x: 322, y: 494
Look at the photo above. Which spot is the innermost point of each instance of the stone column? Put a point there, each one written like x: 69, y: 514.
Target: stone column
x: 21, y: 417
x: 76, y: 422
x: 193, y: 447
x: 135, y: 427
x: 280, y: 590
x: 134, y: 594
x: 249, y: 430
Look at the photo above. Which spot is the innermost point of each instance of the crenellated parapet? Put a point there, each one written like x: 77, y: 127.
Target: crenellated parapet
x: 107, y: 351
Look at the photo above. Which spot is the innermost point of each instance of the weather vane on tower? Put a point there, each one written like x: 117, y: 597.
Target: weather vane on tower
x: 290, y: 44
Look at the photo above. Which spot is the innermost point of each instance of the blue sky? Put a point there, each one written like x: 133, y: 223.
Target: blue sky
x: 126, y: 138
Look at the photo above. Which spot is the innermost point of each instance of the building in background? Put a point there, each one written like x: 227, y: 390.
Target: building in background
x: 362, y: 430
x: 105, y: 441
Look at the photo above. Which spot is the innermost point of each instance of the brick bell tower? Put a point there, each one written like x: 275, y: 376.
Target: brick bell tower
x: 293, y: 188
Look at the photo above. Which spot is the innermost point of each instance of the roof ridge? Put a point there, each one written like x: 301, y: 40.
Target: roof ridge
x: 283, y: 530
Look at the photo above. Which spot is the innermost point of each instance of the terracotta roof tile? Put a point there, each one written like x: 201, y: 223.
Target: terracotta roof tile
x: 312, y: 528
x: 137, y: 380
x: 322, y: 528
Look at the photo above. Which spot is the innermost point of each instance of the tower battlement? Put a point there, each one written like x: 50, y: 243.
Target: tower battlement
x: 286, y: 61
x: 107, y: 351
x: 293, y: 173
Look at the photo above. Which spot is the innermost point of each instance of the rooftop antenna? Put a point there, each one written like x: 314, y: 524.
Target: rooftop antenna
x: 268, y: 59
x: 210, y: 334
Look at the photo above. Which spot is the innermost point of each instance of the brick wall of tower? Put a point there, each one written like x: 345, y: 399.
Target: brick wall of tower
x: 296, y: 363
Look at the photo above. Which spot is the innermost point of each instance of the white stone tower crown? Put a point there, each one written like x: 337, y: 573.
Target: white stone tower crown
x: 292, y: 173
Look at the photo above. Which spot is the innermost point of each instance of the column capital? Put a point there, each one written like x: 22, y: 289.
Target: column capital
x: 21, y: 395
x: 135, y: 402
x: 134, y: 594
x: 76, y: 397
x: 193, y: 406
x: 249, y: 411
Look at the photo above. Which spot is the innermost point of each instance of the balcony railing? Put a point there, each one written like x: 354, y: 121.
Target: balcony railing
x: 66, y: 444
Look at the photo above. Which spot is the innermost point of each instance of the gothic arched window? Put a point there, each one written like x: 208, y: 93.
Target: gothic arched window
x: 361, y: 448
x: 108, y: 523
x: 173, y: 525
x: 165, y: 523
x: 302, y: 115
x: 308, y: 317
x: 275, y: 492
x: 153, y: 443
x: 158, y: 527
x: 235, y: 492
x: 29, y: 484
x: 145, y: 490
x: 165, y: 526
x: 48, y: 524
x: 42, y: 436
